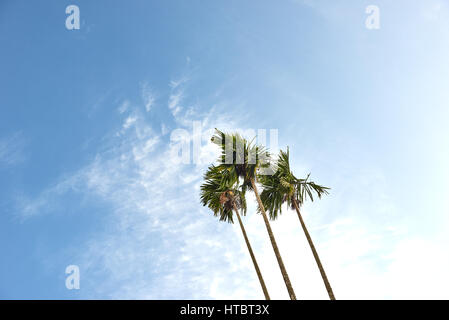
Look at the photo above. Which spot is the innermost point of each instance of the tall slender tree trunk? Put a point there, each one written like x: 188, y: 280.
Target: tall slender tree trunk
x: 288, y: 284
x: 315, y: 254
x: 256, y: 266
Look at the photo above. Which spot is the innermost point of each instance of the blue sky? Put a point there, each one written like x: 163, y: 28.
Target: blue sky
x: 88, y: 176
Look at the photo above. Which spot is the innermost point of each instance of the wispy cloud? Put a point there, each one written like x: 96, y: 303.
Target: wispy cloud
x: 176, y: 83
x: 174, y: 102
x: 12, y: 149
x: 129, y: 122
x: 147, y: 96
x: 124, y: 106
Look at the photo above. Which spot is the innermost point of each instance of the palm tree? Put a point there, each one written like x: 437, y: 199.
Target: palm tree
x: 284, y: 187
x: 241, y: 159
x: 224, y: 199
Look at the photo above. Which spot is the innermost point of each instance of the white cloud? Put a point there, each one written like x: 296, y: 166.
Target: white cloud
x: 123, y: 107
x: 174, y: 102
x: 11, y: 149
x: 176, y: 83
x: 164, y: 129
x: 147, y: 96
x: 129, y: 122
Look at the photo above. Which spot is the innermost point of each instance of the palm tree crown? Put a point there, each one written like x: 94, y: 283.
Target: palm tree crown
x: 283, y: 187
x: 220, y: 196
x: 239, y: 159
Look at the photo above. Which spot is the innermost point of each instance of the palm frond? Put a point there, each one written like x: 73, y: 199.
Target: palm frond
x: 220, y: 193
x: 284, y: 187
x: 241, y: 158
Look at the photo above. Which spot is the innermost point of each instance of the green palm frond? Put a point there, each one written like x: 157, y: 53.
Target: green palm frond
x: 283, y: 187
x: 219, y: 193
x: 240, y: 158
x: 305, y: 189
